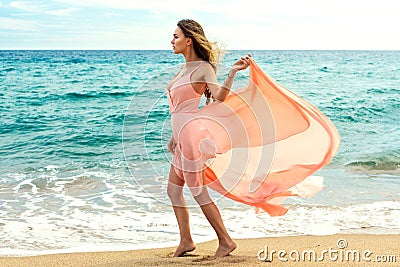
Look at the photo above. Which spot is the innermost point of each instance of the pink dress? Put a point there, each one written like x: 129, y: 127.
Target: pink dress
x: 259, y: 146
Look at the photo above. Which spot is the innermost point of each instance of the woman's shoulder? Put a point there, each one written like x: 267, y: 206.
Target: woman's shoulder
x: 205, y: 67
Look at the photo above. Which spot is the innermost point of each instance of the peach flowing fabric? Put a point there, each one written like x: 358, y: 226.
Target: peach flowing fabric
x: 259, y: 146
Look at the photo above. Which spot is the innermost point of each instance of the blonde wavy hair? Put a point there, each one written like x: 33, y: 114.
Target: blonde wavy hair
x: 206, y: 50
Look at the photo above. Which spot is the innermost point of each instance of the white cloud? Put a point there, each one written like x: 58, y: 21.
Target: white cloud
x: 307, y: 24
x: 18, y: 24
x: 28, y: 6
x: 181, y: 8
x: 38, y: 8
x: 118, y: 4
x: 62, y: 12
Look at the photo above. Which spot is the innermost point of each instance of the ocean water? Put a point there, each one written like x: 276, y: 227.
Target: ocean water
x: 84, y: 163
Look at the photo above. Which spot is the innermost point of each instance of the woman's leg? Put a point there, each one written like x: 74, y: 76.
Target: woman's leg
x: 174, y: 191
x: 210, y: 210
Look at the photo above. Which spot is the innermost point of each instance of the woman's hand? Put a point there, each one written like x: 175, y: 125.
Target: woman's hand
x: 242, y: 63
x: 171, y: 145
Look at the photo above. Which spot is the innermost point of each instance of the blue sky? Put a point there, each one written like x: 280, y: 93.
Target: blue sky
x: 257, y: 24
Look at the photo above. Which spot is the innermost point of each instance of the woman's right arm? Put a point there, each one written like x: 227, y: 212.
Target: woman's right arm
x: 171, y: 145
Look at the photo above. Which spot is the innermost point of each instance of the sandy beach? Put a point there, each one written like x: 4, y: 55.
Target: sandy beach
x: 332, y: 250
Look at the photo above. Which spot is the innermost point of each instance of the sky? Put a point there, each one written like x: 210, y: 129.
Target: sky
x: 245, y: 25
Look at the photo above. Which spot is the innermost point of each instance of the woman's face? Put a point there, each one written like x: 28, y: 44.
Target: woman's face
x: 179, y: 41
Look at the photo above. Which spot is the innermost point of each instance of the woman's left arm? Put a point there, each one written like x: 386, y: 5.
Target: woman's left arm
x: 221, y: 92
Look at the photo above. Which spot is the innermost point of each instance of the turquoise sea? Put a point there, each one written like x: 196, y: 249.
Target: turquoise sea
x: 84, y: 163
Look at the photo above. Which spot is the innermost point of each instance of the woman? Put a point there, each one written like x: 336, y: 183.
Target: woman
x: 190, y: 41
x: 257, y: 145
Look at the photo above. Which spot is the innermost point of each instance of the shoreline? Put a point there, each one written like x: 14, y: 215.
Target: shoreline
x: 370, y: 249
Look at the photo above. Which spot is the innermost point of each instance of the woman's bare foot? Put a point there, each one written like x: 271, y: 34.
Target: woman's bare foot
x: 183, y: 248
x: 225, y: 248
